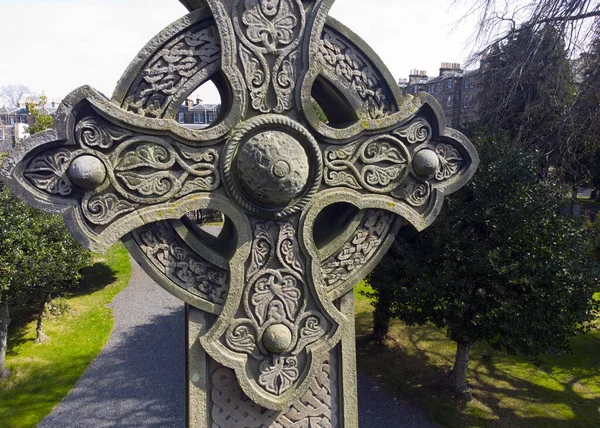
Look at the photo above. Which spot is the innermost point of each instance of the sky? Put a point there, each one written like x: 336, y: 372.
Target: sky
x: 55, y: 46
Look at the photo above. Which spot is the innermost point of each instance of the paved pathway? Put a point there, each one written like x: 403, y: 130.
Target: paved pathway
x: 138, y: 379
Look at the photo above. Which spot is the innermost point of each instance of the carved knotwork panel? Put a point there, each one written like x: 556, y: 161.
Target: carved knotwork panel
x: 318, y: 407
x: 125, y: 169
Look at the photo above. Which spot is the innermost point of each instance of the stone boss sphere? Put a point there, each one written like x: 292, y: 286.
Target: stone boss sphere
x: 311, y: 206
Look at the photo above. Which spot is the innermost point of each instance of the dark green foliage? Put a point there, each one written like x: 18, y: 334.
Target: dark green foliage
x: 499, y: 265
x: 37, y: 253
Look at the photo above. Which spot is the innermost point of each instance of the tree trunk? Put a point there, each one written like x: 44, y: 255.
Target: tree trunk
x: 40, y: 336
x: 381, y: 319
x: 4, y: 323
x: 459, y: 371
x: 575, y: 206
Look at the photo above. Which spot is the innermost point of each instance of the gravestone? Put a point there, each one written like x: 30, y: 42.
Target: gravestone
x: 311, y: 205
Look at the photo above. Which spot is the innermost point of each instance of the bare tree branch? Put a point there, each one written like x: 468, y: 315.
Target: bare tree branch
x: 14, y: 93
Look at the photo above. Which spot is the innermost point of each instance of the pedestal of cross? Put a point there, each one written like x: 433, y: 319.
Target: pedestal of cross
x: 311, y: 205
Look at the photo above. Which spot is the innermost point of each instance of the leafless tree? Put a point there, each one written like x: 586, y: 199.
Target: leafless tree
x: 12, y: 94
x: 575, y: 20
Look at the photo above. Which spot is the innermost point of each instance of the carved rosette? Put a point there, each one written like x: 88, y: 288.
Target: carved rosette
x: 124, y: 168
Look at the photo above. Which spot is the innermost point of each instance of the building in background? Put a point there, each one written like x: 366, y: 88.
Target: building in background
x: 197, y: 115
x: 14, y: 121
x: 455, y: 90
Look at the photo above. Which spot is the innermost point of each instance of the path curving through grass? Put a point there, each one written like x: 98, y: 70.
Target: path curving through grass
x: 42, y: 375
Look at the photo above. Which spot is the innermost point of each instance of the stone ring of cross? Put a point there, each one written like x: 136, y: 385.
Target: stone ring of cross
x: 310, y: 205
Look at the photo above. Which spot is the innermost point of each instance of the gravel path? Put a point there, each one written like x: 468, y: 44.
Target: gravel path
x: 138, y: 379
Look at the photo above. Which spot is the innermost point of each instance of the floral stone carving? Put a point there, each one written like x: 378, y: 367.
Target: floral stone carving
x: 311, y: 207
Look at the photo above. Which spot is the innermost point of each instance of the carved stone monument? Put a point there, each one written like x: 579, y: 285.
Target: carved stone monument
x: 311, y: 206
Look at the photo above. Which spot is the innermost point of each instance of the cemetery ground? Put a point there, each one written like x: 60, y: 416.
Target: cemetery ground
x: 42, y: 375
x: 509, y: 391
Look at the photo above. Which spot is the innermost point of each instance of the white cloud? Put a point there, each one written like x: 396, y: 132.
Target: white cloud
x: 57, y: 45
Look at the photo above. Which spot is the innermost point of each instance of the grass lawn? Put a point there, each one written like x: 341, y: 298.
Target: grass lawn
x: 509, y: 391
x: 42, y: 375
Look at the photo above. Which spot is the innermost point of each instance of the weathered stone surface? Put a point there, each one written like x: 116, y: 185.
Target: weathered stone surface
x: 311, y: 207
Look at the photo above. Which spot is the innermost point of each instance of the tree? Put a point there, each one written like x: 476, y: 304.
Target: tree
x: 41, y: 119
x: 528, y: 91
x: 499, y: 265
x: 14, y: 93
x: 576, y: 20
x: 586, y: 114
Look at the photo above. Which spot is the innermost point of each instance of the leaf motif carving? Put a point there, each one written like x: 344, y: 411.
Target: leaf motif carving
x: 450, y: 161
x: 146, y: 155
x: 269, y: 288
x: 379, y: 176
x: 279, y: 376
x: 93, y: 132
x: 416, y: 132
x: 157, y: 184
x: 270, y: 33
x: 312, y: 329
x: 199, y: 184
x: 262, y: 249
x: 242, y: 339
x: 335, y: 178
x: 103, y: 209
x: 48, y: 172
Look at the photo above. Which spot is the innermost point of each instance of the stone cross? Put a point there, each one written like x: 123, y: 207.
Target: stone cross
x: 311, y: 205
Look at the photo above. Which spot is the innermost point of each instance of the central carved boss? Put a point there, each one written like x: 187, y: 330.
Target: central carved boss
x: 311, y: 205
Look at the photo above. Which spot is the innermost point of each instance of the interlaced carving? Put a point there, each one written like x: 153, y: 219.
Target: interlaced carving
x: 171, y: 256
x: 318, y: 407
x: 171, y: 68
x: 356, y: 72
x: 359, y: 249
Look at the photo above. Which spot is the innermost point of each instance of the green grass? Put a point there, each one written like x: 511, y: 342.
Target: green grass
x: 509, y: 391
x: 42, y: 375
x: 589, y: 203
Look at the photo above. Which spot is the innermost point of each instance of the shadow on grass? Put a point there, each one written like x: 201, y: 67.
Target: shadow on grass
x: 94, y: 278
x: 419, y: 376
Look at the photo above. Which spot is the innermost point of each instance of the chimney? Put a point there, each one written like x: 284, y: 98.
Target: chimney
x: 416, y: 75
x: 450, y: 68
x: 198, y: 100
x: 189, y: 103
x: 21, y: 103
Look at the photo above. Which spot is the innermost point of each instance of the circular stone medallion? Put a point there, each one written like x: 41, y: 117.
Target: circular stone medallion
x: 272, y: 166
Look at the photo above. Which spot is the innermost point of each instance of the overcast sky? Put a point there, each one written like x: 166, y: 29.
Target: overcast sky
x: 56, y: 46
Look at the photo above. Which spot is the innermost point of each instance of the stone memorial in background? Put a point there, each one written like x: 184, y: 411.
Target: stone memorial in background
x: 311, y: 205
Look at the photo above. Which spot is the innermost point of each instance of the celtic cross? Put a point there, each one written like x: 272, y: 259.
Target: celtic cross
x: 311, y: 205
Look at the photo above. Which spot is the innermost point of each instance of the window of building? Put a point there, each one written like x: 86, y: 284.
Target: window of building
x: 450, y: 84
x: 471, y: 83
x: 415, y: 90
x: 196, y: 118
x: 467, y: 83
x: 449, y: 101
x: 11, y: 120
x: 181, y: 117
x: 203, y: 118
x: 211, y: 117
